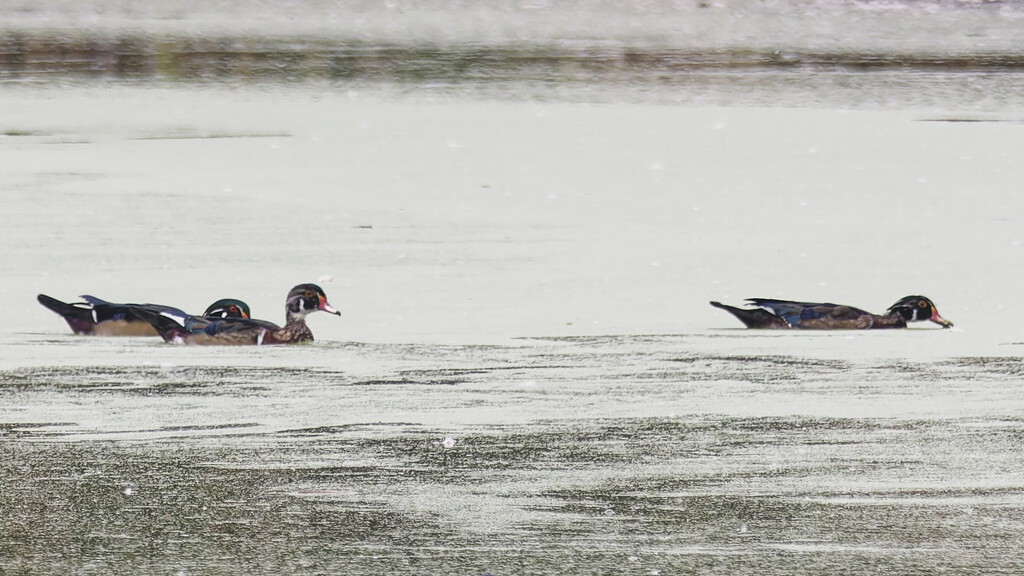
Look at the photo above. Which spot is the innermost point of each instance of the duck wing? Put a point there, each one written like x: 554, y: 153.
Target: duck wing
x: 815, y: 315
x: 179, y: 327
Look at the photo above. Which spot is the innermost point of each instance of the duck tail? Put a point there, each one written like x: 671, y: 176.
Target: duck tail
x: 753, y: 317
x: 78, y: 316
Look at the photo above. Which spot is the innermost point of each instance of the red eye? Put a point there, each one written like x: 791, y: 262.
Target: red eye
x: 234, y: 309
x: 922, y: 304
x: 309, y: 293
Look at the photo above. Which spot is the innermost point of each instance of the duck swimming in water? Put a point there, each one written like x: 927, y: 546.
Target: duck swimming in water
x: 97, y: 317
x: 785, y: 314
x: 180, y: 328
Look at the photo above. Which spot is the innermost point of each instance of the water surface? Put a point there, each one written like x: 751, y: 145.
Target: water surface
x: 522, y: 211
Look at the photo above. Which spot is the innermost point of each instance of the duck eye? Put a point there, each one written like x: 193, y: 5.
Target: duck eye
x: 234, y: 309
x: 309, y: 293
x: 922, y: 304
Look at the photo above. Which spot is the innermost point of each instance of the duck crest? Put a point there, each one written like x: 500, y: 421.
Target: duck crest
x: 228, y: 308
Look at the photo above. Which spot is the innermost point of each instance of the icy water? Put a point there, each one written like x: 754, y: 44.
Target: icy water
x: 521, y: 210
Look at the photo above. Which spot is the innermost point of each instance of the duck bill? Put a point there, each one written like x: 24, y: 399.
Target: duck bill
x: 327, y: 307
x: 940, y: 320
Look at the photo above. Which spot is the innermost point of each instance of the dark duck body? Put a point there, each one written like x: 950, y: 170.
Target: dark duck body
x: 180, y: 328
x: 97, y: 317
x: 786, y: 314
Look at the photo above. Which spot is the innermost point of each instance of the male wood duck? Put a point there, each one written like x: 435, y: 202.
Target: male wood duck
x: 227, y: 308
x: 97, y: 317
x: 184, y: 329
x: 783, y: 314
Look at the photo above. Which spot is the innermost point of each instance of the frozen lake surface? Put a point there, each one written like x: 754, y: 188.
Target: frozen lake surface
x: 526, y: 377
x: 616, y: 454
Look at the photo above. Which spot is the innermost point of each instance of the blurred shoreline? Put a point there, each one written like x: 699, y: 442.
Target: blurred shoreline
x: 856, y: 54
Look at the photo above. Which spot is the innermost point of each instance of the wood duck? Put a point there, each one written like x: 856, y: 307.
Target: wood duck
x: 227, y: 308
x: 179, y: 328
x: 782, y: 314
x: 97, y: 317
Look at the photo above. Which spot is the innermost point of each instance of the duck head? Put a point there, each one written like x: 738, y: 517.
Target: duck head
x: 228, y: 308
x: 306, y: 298
x: 918, y: 309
